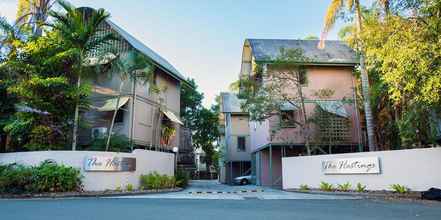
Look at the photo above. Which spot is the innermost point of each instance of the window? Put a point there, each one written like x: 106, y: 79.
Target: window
x: 119, y: 116
x: 303, y: 79
x: 287, y: 118
x: 241, y: 144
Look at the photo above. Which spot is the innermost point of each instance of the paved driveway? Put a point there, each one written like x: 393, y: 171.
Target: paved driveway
x: 211, y: 189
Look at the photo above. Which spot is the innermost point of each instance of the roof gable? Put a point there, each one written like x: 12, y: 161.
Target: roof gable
x: 142, y: 48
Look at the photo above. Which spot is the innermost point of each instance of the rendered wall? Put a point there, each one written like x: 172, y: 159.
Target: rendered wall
x: 418, y: 169
x: 146, y: 162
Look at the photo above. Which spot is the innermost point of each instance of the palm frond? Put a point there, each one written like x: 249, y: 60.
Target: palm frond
x: 330, y: 17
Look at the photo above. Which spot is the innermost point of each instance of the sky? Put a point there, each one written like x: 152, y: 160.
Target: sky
x: 203, y: 39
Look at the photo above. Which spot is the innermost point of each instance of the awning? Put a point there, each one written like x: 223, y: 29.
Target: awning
x: 334, y: 107
x: 288, y: 106
x: 170, y: 115
x: 110, y: 104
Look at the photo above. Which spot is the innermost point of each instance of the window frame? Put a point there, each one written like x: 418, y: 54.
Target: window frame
x: 239, y: 149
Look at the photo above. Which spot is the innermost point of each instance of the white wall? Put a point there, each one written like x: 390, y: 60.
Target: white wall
x: 146, y: 162
x: 418, y: 169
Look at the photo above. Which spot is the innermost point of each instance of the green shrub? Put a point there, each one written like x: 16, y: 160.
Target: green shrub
x: 156, y: 181
x: 129, y: 188
x: 118, y: 189
x: 182, y: 178
x: 304, y: 187
x: 324, y: 186
x: 345, y: 187
x: 118, y: 143
x: 360, y: 188
x: 46, y: 177
x: 397, y: 188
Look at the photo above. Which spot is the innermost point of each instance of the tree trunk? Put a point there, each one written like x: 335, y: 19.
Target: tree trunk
x: 109, y: 133
x: 132, y: 123
x: 365, y: 84
x: 76, y: 118
x: 305, y: 126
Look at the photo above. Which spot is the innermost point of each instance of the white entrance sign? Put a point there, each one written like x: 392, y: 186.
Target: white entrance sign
x: 110, y: 164
x: 362, y: 165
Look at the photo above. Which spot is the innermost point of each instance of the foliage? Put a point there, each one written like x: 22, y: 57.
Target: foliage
x: 182, y: 178
x: 191, y: 103
x: 46, y: 177
x: 118, y: 143
x: 304, y: 187
x: 345, y: 187
x: 167, y: 132
x: 207, y: 133
x: 403, y: 51
x: 360, y: 188
x: 401, y: 189
x: 267, y: 92
x: 203, y: 122
x: 324, y: 186
x: 129, y: 188
x: 156, y: 181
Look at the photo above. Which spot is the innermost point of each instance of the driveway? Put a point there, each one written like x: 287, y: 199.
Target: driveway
x: 211, y: 189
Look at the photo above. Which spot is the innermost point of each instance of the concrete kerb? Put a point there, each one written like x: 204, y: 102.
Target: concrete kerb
x: 87, y: 194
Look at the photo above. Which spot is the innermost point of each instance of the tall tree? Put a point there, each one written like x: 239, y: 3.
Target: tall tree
x: 191, y: 103
x: 81, y: 30
x: 34, y: 13
x: 331, y: 15
x: 277, y: 89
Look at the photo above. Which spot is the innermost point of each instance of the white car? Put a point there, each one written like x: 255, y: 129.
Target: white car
x: 242, y: 180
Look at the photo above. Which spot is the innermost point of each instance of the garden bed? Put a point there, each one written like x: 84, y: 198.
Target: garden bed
x: 106, y: 193
x: 380, y: 194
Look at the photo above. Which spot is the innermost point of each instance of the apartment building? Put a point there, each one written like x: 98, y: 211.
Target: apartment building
x: 332, y: 69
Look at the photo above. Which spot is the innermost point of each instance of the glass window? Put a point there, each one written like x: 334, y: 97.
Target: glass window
x: 241, y: 144
x: 287, y: 118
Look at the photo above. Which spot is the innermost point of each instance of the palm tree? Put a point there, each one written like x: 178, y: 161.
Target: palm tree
x: 354, y: 6
x: 34, y: 13
x: 81, y: 30
x: 133, y: 66
x: 9, y: 33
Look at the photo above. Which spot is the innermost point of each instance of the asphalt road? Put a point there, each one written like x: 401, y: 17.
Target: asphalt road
x: 145, y: 208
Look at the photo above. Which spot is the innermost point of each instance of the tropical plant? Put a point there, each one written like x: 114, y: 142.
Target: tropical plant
x: 360, y: 188
x: 345, y: 187
x: 129, y: 188
x: 354, y: 6
x: 304, y: 187
x: 167, y: 132
x: 401, y: 189
x: 46, y: 177
x: 182, y: 178
x: 156, y: 181
x: 264, y: 98
x: 118, y: 143
x: 324, y: 186
x: 80, y: 29
x: 34, y: 13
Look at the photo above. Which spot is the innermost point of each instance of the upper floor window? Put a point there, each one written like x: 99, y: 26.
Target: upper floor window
x: 241, y: 144
x: 287, y: 118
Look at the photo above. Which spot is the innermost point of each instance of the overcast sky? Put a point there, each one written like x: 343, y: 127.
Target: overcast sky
x: 203, y: 39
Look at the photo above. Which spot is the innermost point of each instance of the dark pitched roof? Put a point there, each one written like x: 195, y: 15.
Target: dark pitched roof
x: 335, y: 52
x: 142, y: 48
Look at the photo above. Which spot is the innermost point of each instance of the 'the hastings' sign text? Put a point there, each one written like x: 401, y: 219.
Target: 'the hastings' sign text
x: 109, y: 163
x: 363, y: 165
